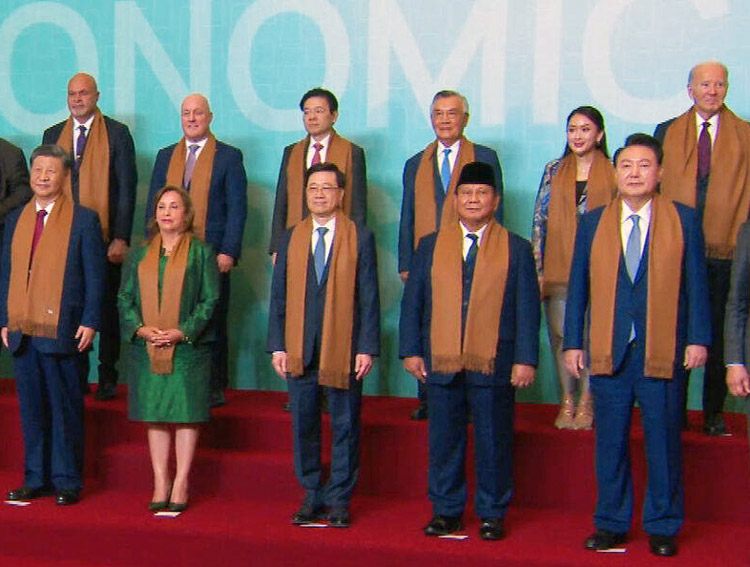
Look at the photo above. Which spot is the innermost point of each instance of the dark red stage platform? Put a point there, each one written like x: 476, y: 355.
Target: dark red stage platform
x: 244, y: 492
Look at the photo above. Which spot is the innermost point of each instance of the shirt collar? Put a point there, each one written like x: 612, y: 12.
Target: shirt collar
x: 453, y: 148
x: 478, y: 232
x: 330, y: 225
x: 87, y: 124
x: 644, y: 212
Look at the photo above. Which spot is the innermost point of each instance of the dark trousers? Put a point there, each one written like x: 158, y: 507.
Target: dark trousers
x: 109, y: 333
x: 220, y: 350
x: 492, y: 409
x: 51, y: 403
x: 344, y: 406
x: 661, y: 414
x: 714, y: 380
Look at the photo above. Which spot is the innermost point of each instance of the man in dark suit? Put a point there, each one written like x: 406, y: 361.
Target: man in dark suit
x: 470, y: 330
x: 104, y: 178
x: 320, y: 110
x: 736, y: 335
x: 324, y: 330
x: 638, y: 266
x: 707, y: 166
x: 52, y: 278
x: 14, y: 180
x: 214, y: 174
x: 429, y: 181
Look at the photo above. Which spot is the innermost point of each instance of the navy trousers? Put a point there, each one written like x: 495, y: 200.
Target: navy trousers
x: 51, y: 400
x: 492, y: 409
x: 344, y: 405
x: 661, y: 414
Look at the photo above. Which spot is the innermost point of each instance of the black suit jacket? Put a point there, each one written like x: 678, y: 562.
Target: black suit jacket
x: 123, y: 176
x: 14, y: 179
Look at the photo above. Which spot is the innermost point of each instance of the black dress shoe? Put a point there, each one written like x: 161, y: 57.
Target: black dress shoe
x: 715, y: 426
x: 67, y: 497
x: 217, y: 399
x: 491, y: 529
x: 307, y: 514
x: 25, y: 493
x: 421, y: 413
x: 603, y: 539
x: 105, y: 392
x: 339, y: 518
x: 662, y: 545
x: 288, y: 406
x: 443, y: 525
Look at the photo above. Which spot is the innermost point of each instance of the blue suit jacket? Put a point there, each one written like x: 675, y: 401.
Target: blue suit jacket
x: 281, y: 204
x: 366, y: 329
x: 83, y: 287
x: 518, y: 341
x: 227, y: 197
x: 406, y: 227
x: 123, y: 175
x: 694, y: 314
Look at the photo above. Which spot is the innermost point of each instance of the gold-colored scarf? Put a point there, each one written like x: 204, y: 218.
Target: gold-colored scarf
x: 338, y: 314
x: 728, y: 193
x: 339, y: 153
x: 200, y: 182
x: 34, y: 294
x: 562, y: 223
x: 93, y: 174
x: 162, y: 311
x: 485, y: 303
x: 425, y: 207
x: 665, y: 249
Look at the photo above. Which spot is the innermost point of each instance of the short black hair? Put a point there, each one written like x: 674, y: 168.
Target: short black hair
x: 52, y: 150
x: 333, y: 104
x: 327, y: 166
x: 641, y: 139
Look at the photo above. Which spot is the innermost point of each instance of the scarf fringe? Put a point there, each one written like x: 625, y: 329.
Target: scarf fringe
x: 334, y: 379
x: 29, y: 327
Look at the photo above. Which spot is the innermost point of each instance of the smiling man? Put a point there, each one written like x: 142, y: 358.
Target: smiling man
x: 52, y: 277
x: 638, y: 268
x: 323, y: 332
x: 470, y: 330
x: 214, y: 175
x: 429, y: 180
x: 103, y: 178
x: 707, y: 166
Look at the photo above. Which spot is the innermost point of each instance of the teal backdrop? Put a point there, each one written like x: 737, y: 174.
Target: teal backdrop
x: 522, y: 64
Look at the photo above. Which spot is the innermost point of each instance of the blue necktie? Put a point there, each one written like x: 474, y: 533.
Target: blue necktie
x: 445, y: 170
x: 471, y: 255
x: 633, y: 248
x: 468, y: 277
x: 319, y: 254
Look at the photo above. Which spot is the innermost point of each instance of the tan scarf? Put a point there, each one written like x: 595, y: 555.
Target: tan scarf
x: 485, y: 304
x: 200, y: 182
x: 34, y: 295
x: 425, y: 207
x: 93, y: 174
x: 338, y: 314
x: 339, y: 153
x: 563, y: 213
x: 728, y: 194
x: 665, y: 248
x: 162, y: 312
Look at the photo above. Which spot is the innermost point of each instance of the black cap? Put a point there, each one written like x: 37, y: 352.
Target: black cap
x: 477, y: 173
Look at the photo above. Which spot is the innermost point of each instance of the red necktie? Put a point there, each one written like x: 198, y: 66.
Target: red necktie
x: 38, y: 228
x: 704, y: 152
x: 316, y: 155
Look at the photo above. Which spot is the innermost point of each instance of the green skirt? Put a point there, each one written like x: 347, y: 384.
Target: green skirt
x: 180, y: 397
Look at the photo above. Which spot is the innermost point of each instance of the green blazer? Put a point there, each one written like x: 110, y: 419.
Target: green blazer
x: 200, y: 292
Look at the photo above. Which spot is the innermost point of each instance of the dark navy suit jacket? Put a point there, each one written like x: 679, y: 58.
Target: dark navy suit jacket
x: 406, y: 228
x: 83, y: 287
x: 694, y: 314
x: 358, y: 176
x: 518, y: 341
x: 123, y: 175
x: 366, y: 329
x: 14, y: 179
x: 227, y: 197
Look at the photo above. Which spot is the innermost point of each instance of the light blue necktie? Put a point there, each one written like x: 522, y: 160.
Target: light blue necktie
x: 633, y: 256
x: 319, y: 254
x: 445, y: 170
x: 633, y: 248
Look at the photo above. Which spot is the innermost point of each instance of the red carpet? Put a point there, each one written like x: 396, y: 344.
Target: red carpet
x: 244, y: 492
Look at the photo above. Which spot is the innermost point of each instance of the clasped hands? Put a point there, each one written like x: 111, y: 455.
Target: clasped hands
x: 521, y: 375
x: 160, y: 338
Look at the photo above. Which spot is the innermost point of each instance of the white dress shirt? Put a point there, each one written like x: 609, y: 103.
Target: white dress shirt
x: 327, y: 239
x: 626, y: 225
x: 323, y: 151
x: 467, y: 241
x: 451, y: 156
x: 713, y: 129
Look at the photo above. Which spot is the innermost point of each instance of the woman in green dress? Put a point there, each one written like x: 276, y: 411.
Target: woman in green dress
x: 169, y: 289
